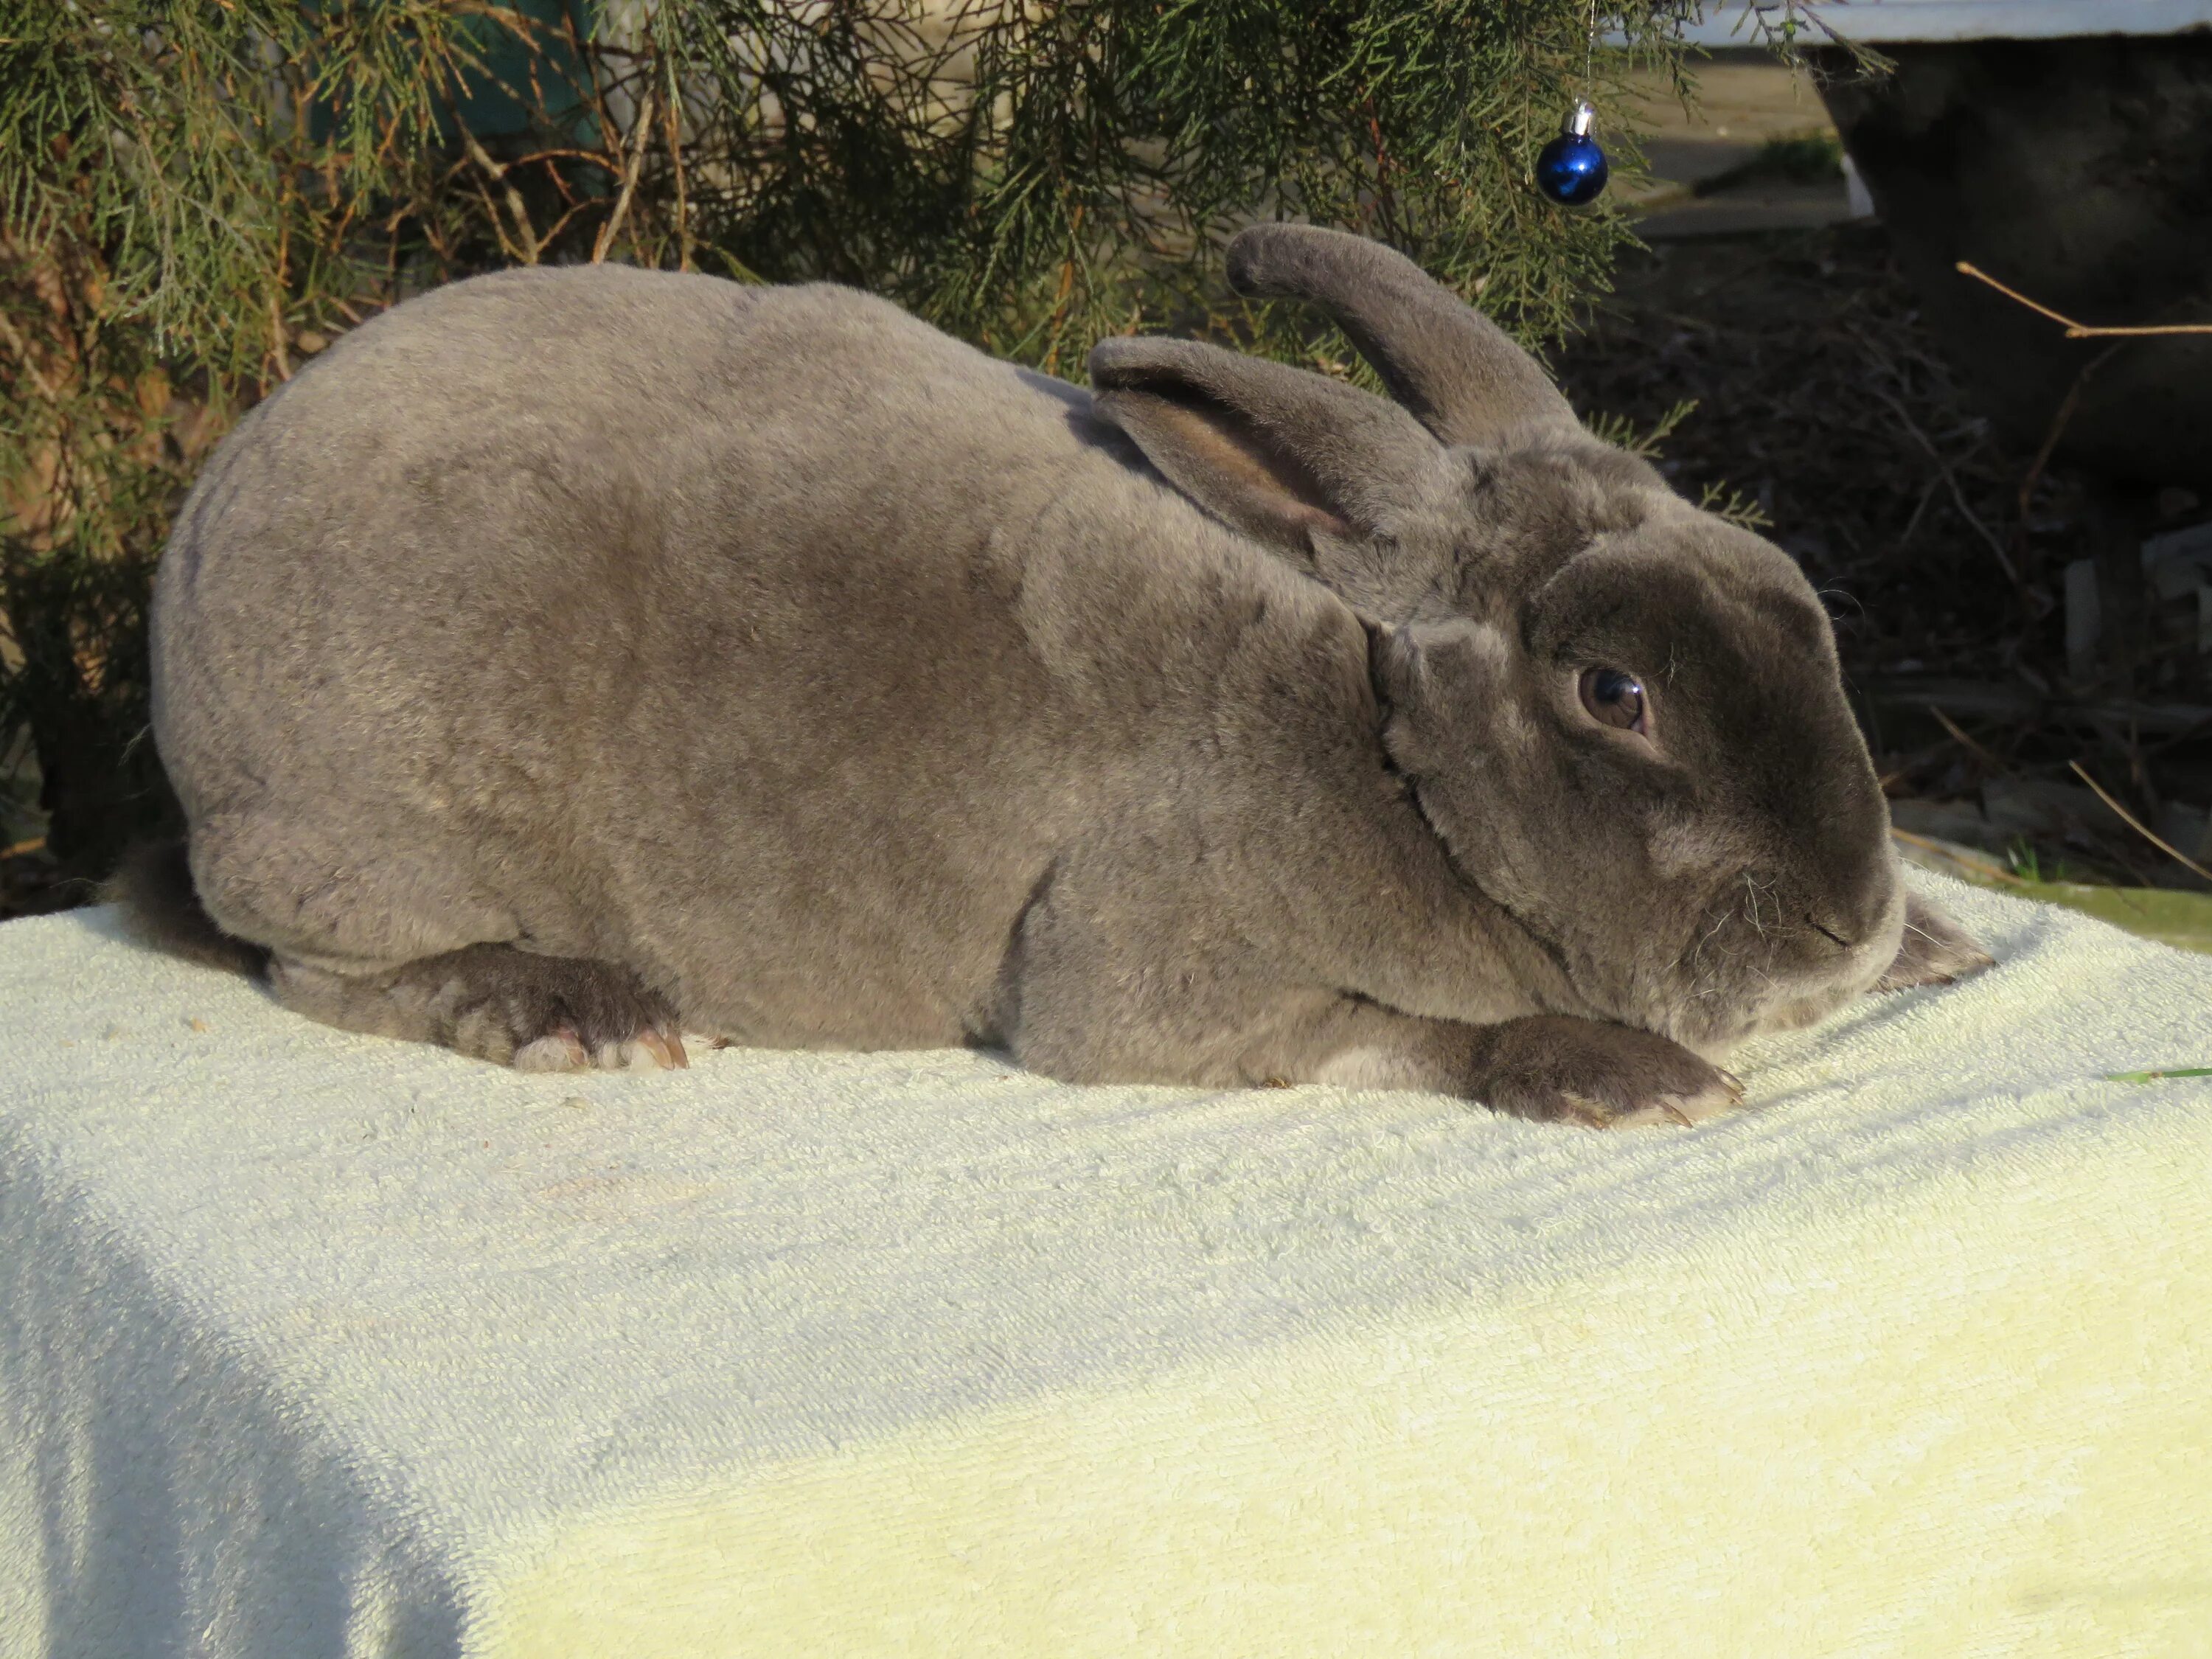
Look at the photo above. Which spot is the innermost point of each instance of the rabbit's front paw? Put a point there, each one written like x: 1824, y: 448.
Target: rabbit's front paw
x: 1557, y: 1069
x: 1934, y: 950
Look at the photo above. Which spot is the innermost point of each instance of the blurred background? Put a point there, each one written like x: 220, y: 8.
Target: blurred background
x: 2010, y: 518
x: 2013, y: 527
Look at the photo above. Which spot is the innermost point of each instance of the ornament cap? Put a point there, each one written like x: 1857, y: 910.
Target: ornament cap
x: 1579, y: 122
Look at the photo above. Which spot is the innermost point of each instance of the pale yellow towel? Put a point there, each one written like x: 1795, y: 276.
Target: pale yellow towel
x: 314, y: 1344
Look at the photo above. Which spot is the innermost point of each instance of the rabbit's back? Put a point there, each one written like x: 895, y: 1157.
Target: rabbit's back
x: 658, y: 620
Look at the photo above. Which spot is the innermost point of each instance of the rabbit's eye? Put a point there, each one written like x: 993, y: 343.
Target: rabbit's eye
x: 1615, y: 699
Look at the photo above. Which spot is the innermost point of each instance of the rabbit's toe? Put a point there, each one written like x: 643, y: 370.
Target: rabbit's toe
x: 650, y: 1049
x: 556, y: 1051
x: 557, y: 1014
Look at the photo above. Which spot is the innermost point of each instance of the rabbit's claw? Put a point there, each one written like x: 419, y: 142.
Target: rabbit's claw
x: 652, y: 1048
x: 1686, y: 1110
x: 559, y: 1013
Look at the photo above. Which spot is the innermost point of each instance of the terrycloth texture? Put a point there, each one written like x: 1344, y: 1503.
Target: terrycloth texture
x: 321, y: 1345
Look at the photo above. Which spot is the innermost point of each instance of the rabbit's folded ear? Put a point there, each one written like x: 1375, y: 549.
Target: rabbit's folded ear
x: 1278, y: 452
x: 1459, y: 373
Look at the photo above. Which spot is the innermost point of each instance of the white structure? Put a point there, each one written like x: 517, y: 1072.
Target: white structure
x: 1734, y: 23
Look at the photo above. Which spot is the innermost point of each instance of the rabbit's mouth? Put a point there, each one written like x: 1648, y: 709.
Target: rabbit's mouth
x: 1765, y: 973
x: 1823, y: 990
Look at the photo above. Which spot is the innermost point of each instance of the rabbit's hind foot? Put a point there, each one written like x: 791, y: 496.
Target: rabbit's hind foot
x: 536, y: 1013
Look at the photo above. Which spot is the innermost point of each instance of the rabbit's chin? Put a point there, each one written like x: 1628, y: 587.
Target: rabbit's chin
x: 1717, y: 1041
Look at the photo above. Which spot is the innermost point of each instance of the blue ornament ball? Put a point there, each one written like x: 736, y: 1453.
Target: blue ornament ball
x: 1571, y: 170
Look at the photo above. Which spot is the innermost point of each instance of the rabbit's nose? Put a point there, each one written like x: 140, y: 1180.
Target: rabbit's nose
x: 1826, y: 931
x: 1846, y: 929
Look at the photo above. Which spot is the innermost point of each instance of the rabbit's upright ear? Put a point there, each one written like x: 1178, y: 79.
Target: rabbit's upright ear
x: 1459, y: 373
x: 1275, y: 451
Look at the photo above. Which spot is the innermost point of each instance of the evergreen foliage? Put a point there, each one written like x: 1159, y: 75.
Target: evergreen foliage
x: 196, y: 195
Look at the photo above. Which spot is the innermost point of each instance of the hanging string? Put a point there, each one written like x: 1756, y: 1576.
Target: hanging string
x: 1571, y: 169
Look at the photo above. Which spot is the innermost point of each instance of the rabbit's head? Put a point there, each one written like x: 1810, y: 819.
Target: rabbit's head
x: 1623, y: 716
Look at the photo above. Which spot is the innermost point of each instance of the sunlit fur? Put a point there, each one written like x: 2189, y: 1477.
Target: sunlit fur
x: 1682, y: 879
x: 569, y: 652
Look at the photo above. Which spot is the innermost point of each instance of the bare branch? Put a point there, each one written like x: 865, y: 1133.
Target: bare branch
x: 639, y: 134
x: 672, y: 108
x: 16, y: 343
x: 2136, y: 824
x: 524, y: 229
x: 1951, y: 479
x: 2079, y: 331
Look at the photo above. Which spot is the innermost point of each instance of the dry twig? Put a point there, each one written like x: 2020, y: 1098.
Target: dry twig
x: 1956, y: 855
x: 531, y: 240
x: 15, y: 343
x: 672, y: 108
x: 2136, y: 824
x: 1965, y: 742
x: 639, y: 135
x: 2059, y: 422
x: 1951, y: 479
x: 2079, y: 331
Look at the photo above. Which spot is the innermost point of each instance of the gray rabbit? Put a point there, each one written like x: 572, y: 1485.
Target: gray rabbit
x: 570, y: 658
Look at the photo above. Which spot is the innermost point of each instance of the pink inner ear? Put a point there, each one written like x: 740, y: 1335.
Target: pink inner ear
x: 1249, y: 481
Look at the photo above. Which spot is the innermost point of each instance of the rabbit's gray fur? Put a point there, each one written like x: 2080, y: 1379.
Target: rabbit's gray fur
x: 776, y: 661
